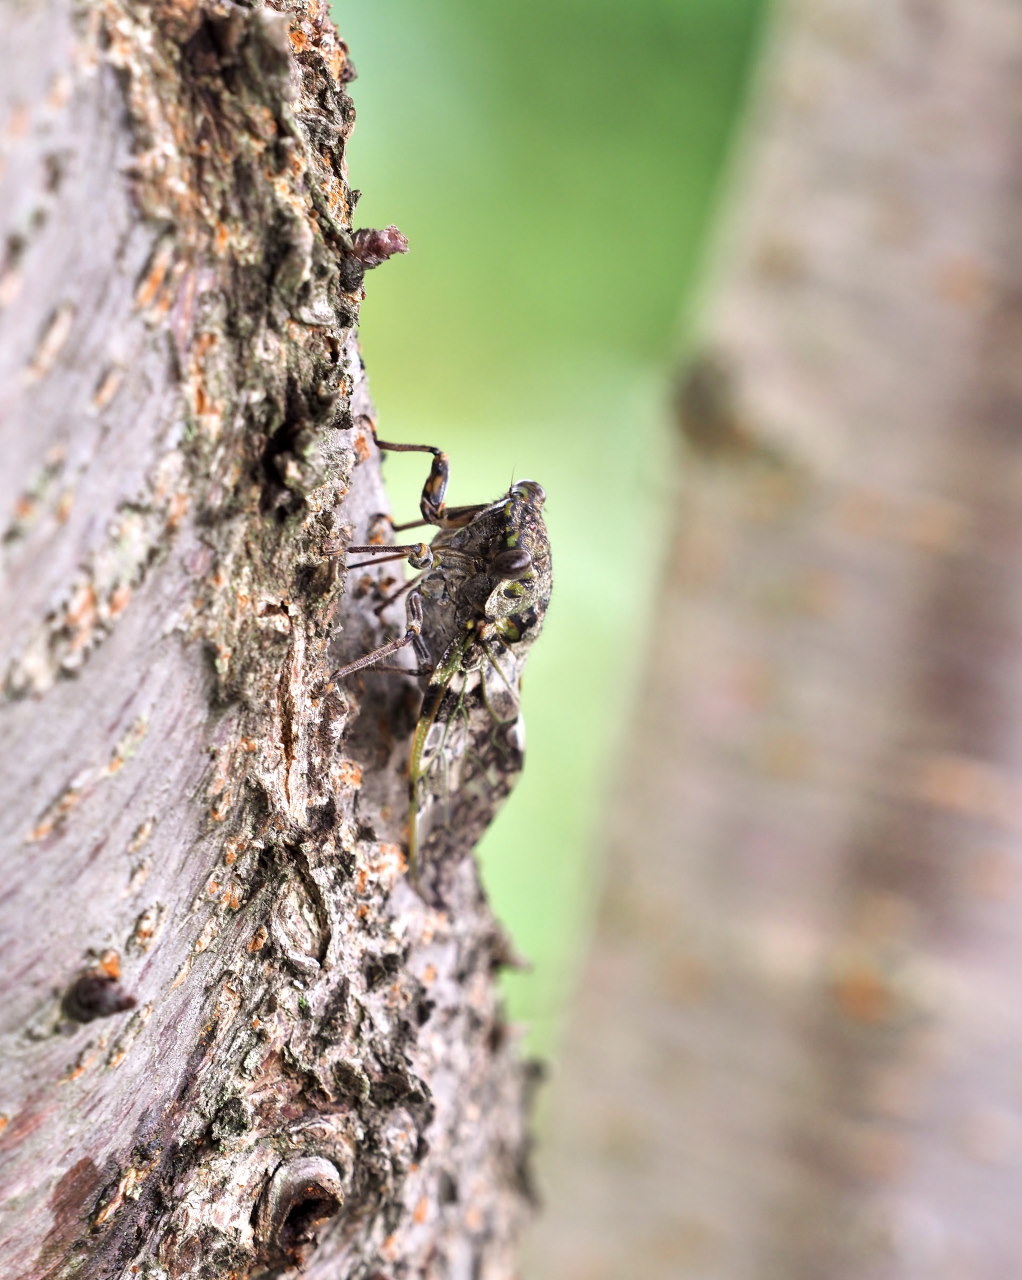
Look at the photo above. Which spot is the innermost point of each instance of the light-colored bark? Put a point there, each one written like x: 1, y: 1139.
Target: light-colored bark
x: 799, y: 1045
x: 235, y: 1042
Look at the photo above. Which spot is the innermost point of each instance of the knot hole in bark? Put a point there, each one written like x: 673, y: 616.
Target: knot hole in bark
x: 300, y: 1198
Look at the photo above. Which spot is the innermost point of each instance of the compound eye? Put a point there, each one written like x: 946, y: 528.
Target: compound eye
x: 531, y: 491
x: 515, y: 562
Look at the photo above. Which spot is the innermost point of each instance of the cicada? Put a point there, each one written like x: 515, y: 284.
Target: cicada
x: 472, y: 616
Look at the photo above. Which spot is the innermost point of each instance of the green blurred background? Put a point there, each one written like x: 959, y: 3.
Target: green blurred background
x: 555, y: 166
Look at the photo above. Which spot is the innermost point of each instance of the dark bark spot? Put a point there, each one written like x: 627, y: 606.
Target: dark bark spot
x: 96, y: 995
x: 70, y: 1205
x: 378, y: 969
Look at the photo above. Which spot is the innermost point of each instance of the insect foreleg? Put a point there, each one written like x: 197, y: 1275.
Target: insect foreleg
x: 432, y: 504
x: 411, y: 636
x: 418, y: 554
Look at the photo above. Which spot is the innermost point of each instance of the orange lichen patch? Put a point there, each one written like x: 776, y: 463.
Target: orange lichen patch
x: 203, y: 343
x: 84, y: 1062
x: 177, y: 508
x: 59, y: 94
x: 421, y: 1212
x: 473, y: 1219
x: 146, y: 928
x: 11, y: 281
x: 141, y: 834
x: 349, y: 774
x: 389, y: 1248
x: 361, y: 446
x: 51, y: 342
x: 207, y: 935
x: 973, y: 788
x: 126, y: 748
x: 258, y: 939
x: 285, y: 189
x: 862, y: 993
x: 107, y: 387
x: 201, y: 402
x: 18, y: 121
x: 299, y: 40
x: 139, y: 876
x: 429, y: 975
x: 64, y: 507
x: 119, y: 599
x: 81, y: 616
x: 55, y: 814
x: 5, y: 1120
x: 228, y: 1001
x: 110, y: 964
x: 25, y: 508
x: 221, y: 238
x: 150, y: 284
x: 433, y: 922
x: 222, y: 774
x: 231, y: 896
x: 129, y: 1187
x: 388, y: 863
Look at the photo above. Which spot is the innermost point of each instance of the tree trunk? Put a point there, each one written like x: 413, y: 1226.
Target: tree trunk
x: 236, y: 1042
x: 799, y: 1044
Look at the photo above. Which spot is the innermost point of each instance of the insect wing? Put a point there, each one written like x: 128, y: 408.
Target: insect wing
x: 468, y: 749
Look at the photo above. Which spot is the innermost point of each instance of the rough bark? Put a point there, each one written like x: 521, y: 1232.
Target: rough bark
x: 235, y: 1041
x: 798, y: 1047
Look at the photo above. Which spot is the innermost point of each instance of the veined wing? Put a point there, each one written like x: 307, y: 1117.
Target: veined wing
x: 468, y: 748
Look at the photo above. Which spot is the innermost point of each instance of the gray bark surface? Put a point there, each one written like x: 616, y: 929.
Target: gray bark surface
x: 235, y: 1042
x: 798, y: 1046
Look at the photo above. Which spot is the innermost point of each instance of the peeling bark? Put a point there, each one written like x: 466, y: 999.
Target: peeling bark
x: 235, y: 1041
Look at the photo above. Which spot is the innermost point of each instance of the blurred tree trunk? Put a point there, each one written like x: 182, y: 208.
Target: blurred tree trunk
x: 235, y: 1042
x: 799, y: 1047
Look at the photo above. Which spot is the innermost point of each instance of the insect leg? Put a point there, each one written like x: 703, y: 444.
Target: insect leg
x: 431, y: 504
x: 411, y: 636
x: 417, y: 554
x: 425, y: 666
